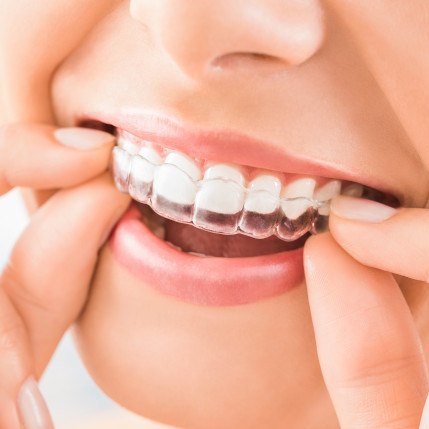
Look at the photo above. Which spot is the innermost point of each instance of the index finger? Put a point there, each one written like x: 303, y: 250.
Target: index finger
x: 379, y: 236
x: 42, y: 156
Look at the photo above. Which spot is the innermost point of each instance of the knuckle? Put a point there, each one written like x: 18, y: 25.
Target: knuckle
x: 11, y: 332
x: 12, y: 328
x: 10, y: 133
x: 21, y: 293
x: 382, y: 372
x: 8, y: 137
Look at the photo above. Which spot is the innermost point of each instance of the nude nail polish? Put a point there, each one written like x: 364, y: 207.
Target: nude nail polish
x: 32, y: 408
x: 82, y: 138
x: 361, y: 209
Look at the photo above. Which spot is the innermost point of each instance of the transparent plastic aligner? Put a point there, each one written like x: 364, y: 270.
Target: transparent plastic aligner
x: 172, y: 184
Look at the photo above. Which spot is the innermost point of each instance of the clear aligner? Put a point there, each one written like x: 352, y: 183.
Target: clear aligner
x: 219, y: 199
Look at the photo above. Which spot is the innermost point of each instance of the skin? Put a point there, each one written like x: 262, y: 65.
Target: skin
x: 349, y: 347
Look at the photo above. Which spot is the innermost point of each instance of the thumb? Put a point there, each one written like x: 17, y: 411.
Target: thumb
x: 369, y: 350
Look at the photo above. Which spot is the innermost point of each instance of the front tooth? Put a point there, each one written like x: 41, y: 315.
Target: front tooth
x: 266, y: 182
x: 353, y: 190
x: 260, y: 208
x: 303, y: 190
x: 121, y: 166
x: 173, y: 193
x: 184, y: 163
x: 220, y: 200
x: 226, y: 172
x: 325, y: 193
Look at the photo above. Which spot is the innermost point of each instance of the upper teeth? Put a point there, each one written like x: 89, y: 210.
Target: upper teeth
x: 219, y: 197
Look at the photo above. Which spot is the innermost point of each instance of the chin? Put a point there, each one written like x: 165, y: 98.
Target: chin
x: 192, y: 366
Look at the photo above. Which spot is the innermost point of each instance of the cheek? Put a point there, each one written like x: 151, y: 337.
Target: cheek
x: 195, y: 366
x: 35, y: 37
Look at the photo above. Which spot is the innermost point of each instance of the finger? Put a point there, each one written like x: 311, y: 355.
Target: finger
x: 51, y: 266
x: 369, y: 350
x: 15, y: 361
x: 44, y: 157
x: 398, y: 244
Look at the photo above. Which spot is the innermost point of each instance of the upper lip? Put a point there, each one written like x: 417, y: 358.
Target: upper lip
x: 229, y: 146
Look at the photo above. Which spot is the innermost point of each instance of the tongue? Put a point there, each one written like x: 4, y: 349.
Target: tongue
x: 191, y: 239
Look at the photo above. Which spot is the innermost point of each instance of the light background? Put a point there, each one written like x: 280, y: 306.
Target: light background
x: 74, y: 400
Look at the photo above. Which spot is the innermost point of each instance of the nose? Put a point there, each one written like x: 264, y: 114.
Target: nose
x: 202, y: 36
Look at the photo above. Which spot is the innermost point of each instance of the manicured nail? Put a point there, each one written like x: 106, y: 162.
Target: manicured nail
x: 82, y: 138
x: 32, y: 408
x: 361, y: 209
x: 424, y: 422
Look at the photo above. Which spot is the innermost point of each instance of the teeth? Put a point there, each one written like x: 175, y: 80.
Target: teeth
x: 203, y: 255
x: 174, y: 246
x: 298, y: 189
x: 327, y: 192
x: 141, y: 178
x: 226, y: 172
x: 261, y: 205
x: 128, y: 145
x: 151, y: 155
x: 184, y: 163
x: 173, y: 193
x: 218, y: 206
x: 219, y: 199
x: 299, y: 213
x: 121, y: 167
x: 353, y: 190
x: 159, y: 231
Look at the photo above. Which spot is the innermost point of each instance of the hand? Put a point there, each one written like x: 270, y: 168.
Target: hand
x: 45, y: 283
x: 369, y: 350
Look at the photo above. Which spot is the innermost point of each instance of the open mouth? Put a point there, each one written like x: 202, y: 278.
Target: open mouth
x: 207, y: 208
x: 208, y: 231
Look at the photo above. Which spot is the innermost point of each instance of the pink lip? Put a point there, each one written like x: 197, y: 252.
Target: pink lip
x: 207, y: 281
x: 211, y: 281
x: 228, y: 146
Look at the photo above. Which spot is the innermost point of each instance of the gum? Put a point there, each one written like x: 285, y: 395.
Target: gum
x: 139, y: 185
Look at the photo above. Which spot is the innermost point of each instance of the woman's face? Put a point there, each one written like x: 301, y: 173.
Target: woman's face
x: 341, y: 83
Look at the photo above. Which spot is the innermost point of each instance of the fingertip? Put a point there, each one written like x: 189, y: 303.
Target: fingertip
x: 83, y: 138
x: 315, y: 244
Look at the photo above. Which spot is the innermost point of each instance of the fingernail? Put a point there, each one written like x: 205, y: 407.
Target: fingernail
x: 82, y: 138
x: 361, y: 209
x: 424, y: 422
x: 32, y: 408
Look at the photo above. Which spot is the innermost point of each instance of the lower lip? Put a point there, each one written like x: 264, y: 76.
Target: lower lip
x: 206, y: 281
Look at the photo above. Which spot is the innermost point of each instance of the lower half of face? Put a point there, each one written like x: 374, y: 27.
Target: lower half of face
x: 233, y: 135
x: 188, y: 365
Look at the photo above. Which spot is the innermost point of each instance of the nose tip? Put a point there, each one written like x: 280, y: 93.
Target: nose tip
x: 205, y: 35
